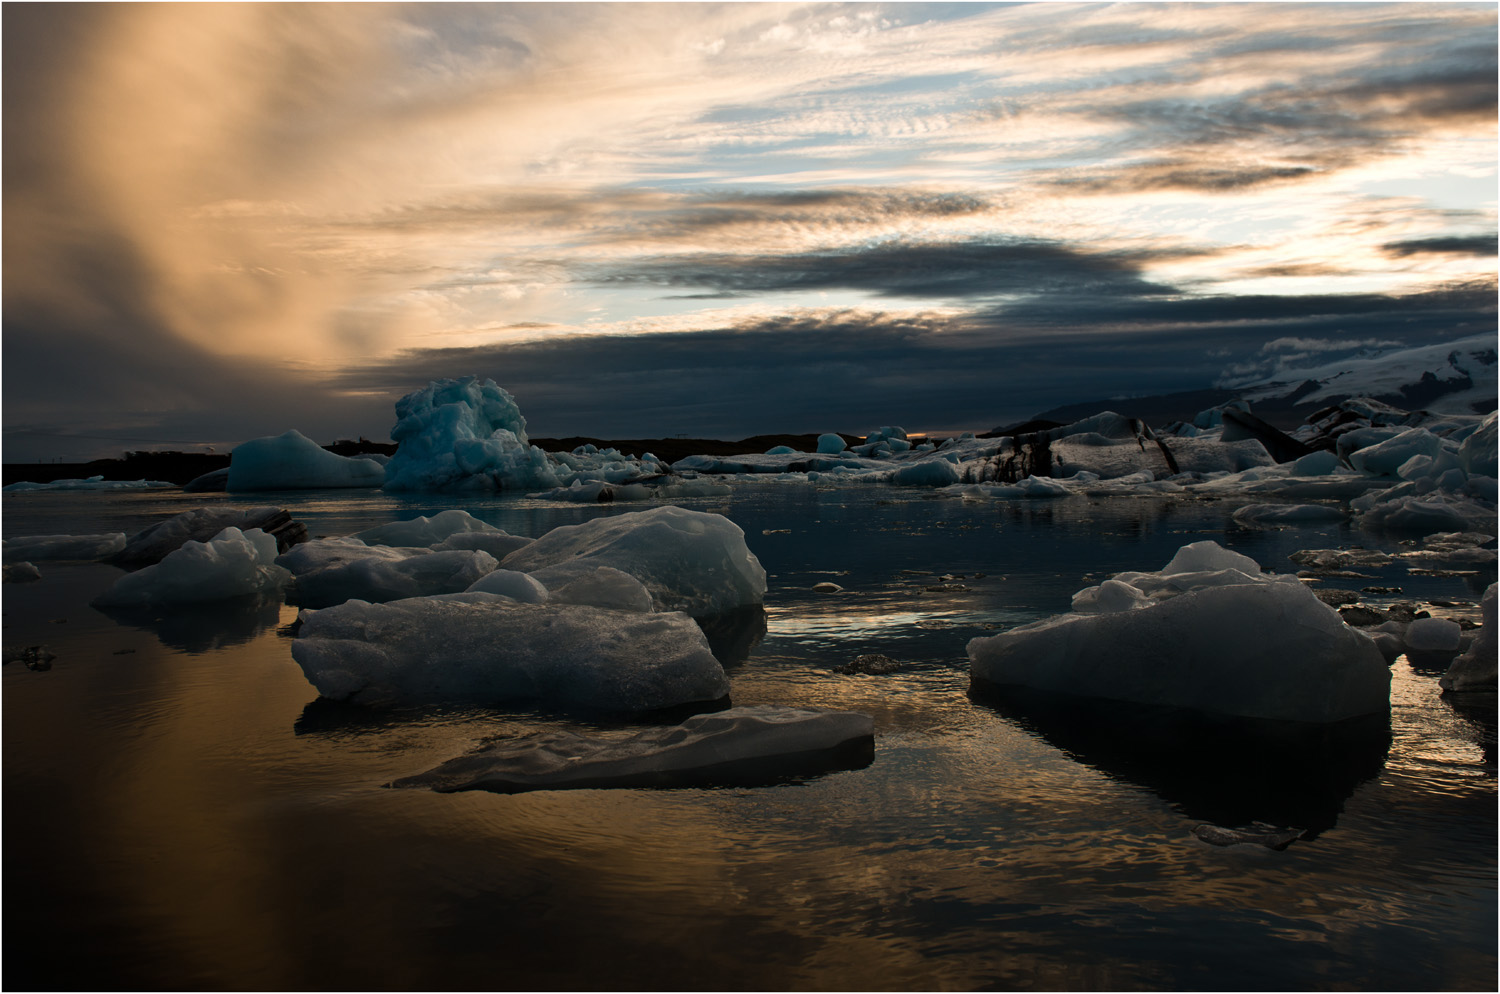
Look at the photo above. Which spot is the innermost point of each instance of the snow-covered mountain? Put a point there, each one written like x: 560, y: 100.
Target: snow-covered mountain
x: 1451, y: 377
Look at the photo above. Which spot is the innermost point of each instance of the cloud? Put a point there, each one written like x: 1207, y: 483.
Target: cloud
x: 1475, y: 245
x: 955, y: 270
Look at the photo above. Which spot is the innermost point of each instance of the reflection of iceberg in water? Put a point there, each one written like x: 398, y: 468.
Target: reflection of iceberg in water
x: 203, y: 627
x: 1228, y: 771
x: 733, y: 635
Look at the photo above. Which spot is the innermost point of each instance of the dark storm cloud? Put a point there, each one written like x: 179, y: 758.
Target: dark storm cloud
x: 849, y: 370
x: 1475, y: 245
x: 906, y: 270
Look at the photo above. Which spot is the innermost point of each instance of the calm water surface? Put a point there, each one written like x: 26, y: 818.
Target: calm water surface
x: 182, y: 812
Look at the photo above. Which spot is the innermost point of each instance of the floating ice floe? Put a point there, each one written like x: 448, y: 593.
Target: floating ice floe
x: 490, y: 648
x: 1208, y: 632
x: 36, y: 548
x: 748, y: 744
x: 200, y: 524
x: 1475, y: 669
x: 689, y: 560
x: 518, y: 586
x: 91, y: 483
x: 292, y: 461
x: 423, y: 531
x: 231, y: 564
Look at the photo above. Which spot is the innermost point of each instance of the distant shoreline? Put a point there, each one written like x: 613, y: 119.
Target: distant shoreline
x: 180, y: 467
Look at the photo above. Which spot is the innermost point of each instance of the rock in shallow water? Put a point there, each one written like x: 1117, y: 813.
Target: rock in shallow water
x: 489, y: 648
x: 741, y: 745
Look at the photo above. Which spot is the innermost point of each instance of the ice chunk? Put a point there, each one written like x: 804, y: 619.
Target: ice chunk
x: 231, y: 564
x: 1477, y: 454
x: 690, y: 560
x: 293, y: 461
x: 1316, y: 464
x: 1208, y: 556
x: 510, y: 583
x: 1271, y: 515
x: 1220, y: 639
x: 1385, y: 458
x: 780, y: 450
x: 201, y: 524
x: 321, y: 552
x: 830, y: 444
x: 21, y: 573
x: 937, y: 472
x: 1108, y: 597
x: 1398, y: 510
x: 1475, y: 669
x: 483, y: 647
x: 465, y: 434
x: 1433, y: 635
x: 36, y: 548
x: 385, y: 577
x: 737, y: 745
x: 424, y: 531
x: 606, y: 587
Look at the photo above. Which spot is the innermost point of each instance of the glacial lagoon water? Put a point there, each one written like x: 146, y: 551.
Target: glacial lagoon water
x: 180, y: 811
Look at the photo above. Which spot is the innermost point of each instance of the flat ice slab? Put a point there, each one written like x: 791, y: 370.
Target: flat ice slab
x: 1209, y: 633
x: 728, y: 746
x: 490, y: 648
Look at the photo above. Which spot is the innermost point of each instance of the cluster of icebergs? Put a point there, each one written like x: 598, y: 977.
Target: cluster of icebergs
x: 1389, y: 469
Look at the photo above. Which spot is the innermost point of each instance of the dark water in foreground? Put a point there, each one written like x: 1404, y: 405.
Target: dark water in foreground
x: 180, y: 811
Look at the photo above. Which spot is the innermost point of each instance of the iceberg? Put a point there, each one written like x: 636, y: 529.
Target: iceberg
x: 830, y: 444
x: 231, y: 564
x: 1218, y: 637
x: 36, y: 548
x: 292, y: 461
x: 690, y: 561
x: 740, y: 745
x: 489, y: 648
x: 465, y: 434
x: 606, y: 587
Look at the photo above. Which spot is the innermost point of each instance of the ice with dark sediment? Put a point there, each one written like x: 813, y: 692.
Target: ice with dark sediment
x: 737, y: 745
x: 1209, y: 632
x: 489, y: 648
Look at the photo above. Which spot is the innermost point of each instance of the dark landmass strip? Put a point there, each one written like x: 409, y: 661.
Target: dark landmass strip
x: 180, y: 467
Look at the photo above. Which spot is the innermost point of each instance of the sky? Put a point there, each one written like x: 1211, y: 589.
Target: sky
x: 717, y: 220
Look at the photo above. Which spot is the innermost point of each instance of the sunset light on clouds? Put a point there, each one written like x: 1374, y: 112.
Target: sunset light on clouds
x: 223, y: 221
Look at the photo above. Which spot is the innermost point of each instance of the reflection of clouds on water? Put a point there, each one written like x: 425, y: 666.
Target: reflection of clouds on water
x: 1228, y: 771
